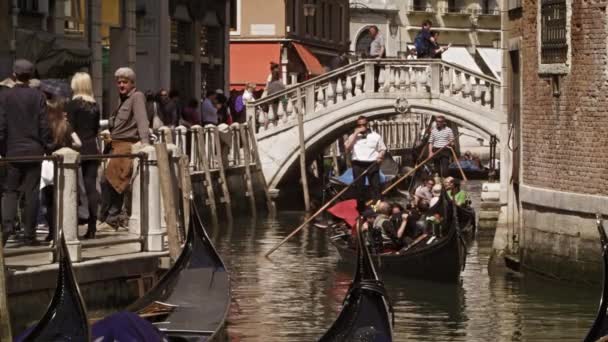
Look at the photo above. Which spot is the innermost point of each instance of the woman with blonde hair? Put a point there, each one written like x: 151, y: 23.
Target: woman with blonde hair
x: 83, y: 115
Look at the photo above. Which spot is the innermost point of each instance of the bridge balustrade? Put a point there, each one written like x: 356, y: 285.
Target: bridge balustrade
x: 386, y: 78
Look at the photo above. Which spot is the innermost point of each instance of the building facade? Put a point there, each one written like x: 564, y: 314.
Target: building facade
x: 471, y: 26
x: 178, y: 44
x: 302, y: 36
x: 555, y: 54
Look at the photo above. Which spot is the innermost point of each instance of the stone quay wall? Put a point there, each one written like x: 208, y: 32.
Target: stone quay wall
x: 564, y: 145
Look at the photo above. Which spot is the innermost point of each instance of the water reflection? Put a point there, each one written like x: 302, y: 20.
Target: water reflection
x: 296, y: 295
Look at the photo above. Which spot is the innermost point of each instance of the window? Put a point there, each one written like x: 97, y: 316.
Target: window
x: 181, y: 36
x: 322, y: 18
x: 30, y: 6
x: 341, y: 24
x: 295, y: 4
x: 74, y: 13
x: 455, y: 6
x: 554, y: 35
x: 514, y: 4
x: 235, y: 17
x: 330, y: 26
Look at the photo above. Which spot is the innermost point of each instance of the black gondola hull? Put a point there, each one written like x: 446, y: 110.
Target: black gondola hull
x: 440, y: 262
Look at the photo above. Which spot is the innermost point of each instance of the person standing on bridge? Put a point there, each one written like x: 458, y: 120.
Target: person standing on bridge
x: 367, y: 150
x: 128, y: 126
x: 376, y: 48
x: 441, y: 136
x: 24, y: 132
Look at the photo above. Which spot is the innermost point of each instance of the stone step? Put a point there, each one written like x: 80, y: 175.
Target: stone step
x: 488, y: 215
x: 487, y: 224
x: 490, y: 196
x: 489, y: 205
x: 490, y: 187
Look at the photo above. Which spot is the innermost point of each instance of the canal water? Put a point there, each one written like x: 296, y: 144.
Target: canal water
x: 296, y: 295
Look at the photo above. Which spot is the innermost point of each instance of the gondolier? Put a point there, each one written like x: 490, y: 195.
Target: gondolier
x: 441, y: 136
x: 367, y: 149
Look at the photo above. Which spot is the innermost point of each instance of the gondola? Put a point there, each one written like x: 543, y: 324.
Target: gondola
x: 599, y: 328
x: 191, y: 301
x: 389, y: 169
x: 66, y: 317
x: 440, y: 259
x: 365, y: 315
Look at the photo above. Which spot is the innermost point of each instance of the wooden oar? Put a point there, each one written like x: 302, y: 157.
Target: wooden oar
x: 409, y: 173
x: 322, y: 209
x: 464, y: 177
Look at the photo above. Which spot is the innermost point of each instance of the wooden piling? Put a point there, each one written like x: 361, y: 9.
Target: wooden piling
x: 303, y: 175
x: 222, y: 168
x: 334, y: 158
x: 254, y: 144
x: 5, y: 321
x: 208, y: 180
x: 186, y: 185
x: 167, y: 192
x: 248, y: 179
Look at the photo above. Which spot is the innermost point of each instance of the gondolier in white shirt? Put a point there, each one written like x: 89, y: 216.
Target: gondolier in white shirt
x: 367, y: 148
x: 441, y: 136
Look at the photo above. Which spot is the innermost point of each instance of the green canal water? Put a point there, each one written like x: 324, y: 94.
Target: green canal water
x: 296, y: 295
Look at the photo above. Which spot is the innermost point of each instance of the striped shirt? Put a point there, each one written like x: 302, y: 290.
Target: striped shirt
x: 440, y: 138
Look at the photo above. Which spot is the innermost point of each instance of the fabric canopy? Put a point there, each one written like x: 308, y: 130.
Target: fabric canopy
x: 250, y: 62
x: 493, y: 59
x: 460, y: 56
x: 310, y: 60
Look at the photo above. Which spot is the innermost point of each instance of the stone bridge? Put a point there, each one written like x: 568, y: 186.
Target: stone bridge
x: 377, y: 89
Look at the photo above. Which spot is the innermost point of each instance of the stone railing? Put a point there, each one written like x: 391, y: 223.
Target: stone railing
x: 390, y: 78
x: 400, y: 133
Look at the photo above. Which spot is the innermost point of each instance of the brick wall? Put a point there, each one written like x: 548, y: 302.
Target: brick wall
x: 565, y: 138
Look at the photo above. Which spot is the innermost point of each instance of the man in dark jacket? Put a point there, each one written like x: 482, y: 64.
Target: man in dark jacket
x: 24, y: 131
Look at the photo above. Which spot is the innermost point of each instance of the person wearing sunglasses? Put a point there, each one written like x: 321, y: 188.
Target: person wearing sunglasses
x: 367, y: 150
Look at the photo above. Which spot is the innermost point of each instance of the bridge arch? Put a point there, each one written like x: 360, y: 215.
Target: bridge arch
x: 337, y: 125
x: 331, y: 103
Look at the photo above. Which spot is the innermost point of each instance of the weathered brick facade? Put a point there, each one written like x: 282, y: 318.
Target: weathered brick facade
x: 565, y: 138
x: 562, y: 179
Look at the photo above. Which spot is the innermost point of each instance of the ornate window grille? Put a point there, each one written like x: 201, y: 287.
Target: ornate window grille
x: 554, y: 40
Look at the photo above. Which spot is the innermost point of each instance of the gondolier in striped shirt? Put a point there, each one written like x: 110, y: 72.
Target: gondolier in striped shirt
x: 367, y: 148
x: 441, y: 136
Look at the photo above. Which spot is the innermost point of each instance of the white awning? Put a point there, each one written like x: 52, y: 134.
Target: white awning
x: 460, y: 56
x: 493, y: 59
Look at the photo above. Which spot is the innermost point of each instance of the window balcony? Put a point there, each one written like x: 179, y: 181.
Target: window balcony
x: 490, y: 11
x: 421, y: 9
x: 454, y: 11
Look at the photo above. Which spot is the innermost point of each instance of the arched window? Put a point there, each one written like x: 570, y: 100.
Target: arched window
x: 364, y: 40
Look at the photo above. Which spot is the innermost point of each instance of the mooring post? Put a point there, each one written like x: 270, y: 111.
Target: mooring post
x: 181, y: 137
x: 172, y: 150
x: 68, y: 201
x: 186, y: 187
x: 5, y: 320
x: 222, y: 161
x: 303, y: 175
x: 168, y: 199
x: 198, y: 131
x: 154, y: 238
x: 137, y: 218
x: 166, y: 134
x: 248, y: 179
x: 258, y: 161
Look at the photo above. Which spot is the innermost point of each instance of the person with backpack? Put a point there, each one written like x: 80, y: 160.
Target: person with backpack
x: 423, y: 42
